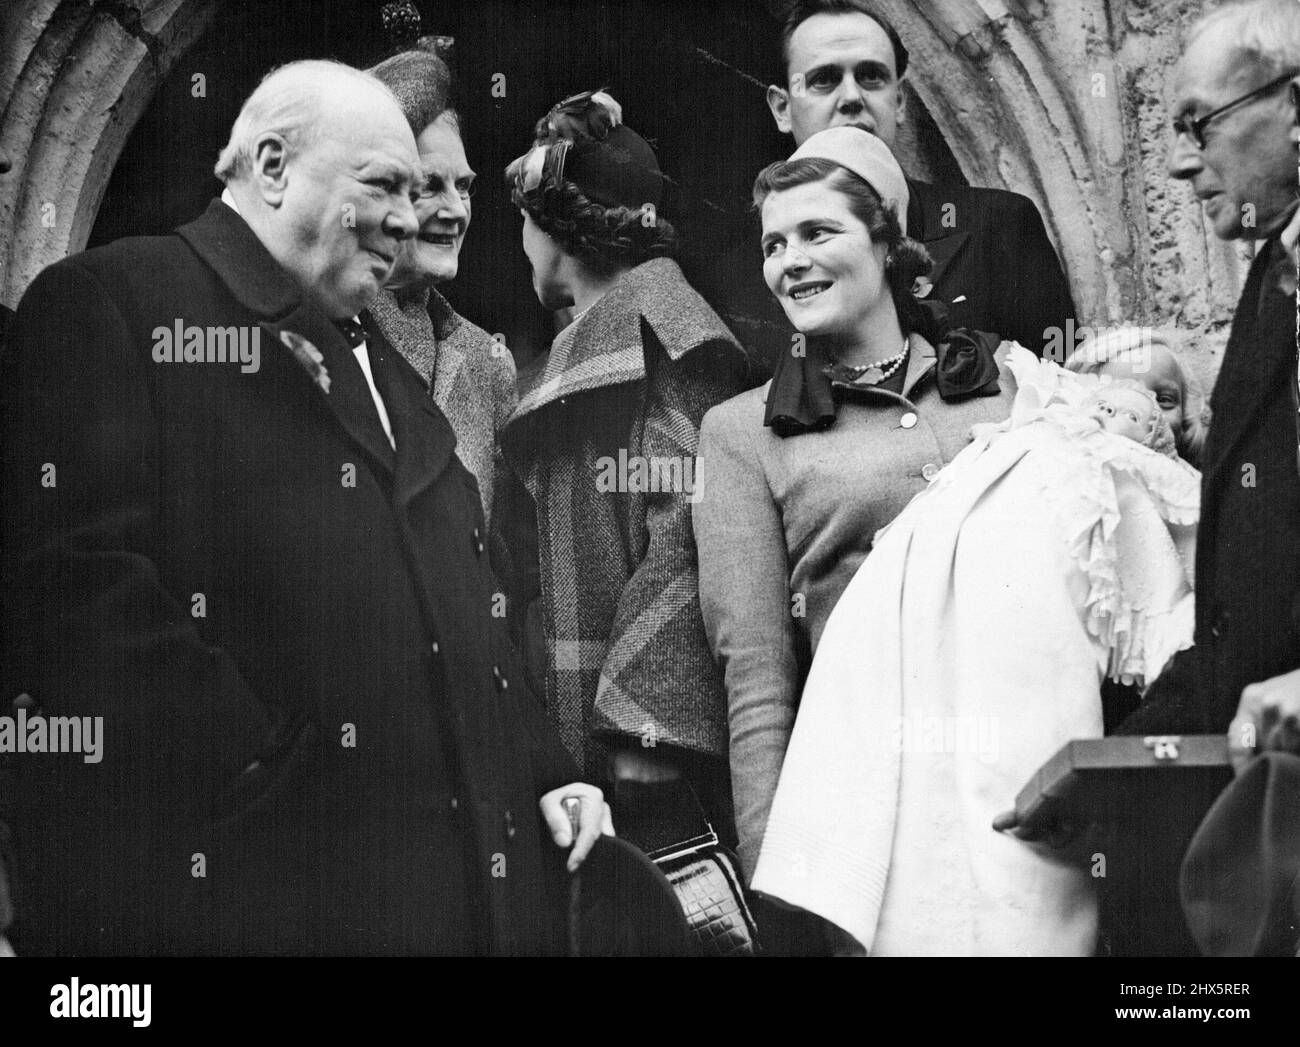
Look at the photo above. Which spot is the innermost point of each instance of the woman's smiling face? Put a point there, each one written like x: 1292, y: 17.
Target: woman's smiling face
x: 443, y: 209
x: 819, y: 260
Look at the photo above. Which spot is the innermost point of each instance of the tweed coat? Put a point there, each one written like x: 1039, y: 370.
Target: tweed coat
x: 625, y: 655
x: 990, y: 251
x: 785, y: 526
x: 472, y: 378
x: 315, y: 738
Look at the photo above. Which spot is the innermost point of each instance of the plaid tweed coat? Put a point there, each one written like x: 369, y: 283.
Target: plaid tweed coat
x: 615, y: 403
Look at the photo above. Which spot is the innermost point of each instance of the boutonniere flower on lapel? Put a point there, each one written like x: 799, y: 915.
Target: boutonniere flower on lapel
x: 921, y: 287
x: 309, y: 356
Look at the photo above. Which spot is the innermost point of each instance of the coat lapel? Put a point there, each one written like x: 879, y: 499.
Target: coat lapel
x: 425, y: 439
x: 926, y: 226
x: 920, y: 362
x: 225, y: 242
x: 1261, y: 352
x: 942, y: 252
x: 349, y: 398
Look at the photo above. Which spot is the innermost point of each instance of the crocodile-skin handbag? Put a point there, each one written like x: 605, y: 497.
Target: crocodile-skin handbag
x: 706, y: 877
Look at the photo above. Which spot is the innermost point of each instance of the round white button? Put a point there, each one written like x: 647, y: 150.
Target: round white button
x: 908, y: 421
x: 929, y: 471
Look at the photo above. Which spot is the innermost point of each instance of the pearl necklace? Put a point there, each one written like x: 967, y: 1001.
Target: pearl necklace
x: 884, y: 368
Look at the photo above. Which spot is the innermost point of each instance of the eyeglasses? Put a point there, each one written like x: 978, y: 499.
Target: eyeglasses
x: 1195, y: 129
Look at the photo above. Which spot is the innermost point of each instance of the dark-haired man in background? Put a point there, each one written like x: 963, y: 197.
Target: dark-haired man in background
x: 843, y: 63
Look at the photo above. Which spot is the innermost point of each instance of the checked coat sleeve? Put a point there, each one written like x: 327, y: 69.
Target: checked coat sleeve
x: 659, y: 684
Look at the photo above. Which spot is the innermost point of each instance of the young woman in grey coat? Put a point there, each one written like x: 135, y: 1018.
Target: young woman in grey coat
x: 802, y: 472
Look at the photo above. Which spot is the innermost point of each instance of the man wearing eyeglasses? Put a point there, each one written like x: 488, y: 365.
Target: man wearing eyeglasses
x: 842, y: 63
x: 1234, y: 142
x: 1235, y: 114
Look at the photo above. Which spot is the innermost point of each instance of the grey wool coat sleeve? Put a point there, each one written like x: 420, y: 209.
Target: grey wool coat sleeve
x: 746, y: 603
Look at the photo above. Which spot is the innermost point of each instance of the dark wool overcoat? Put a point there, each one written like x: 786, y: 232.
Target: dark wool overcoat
x: 1248, y: 542
x: 316, y: 737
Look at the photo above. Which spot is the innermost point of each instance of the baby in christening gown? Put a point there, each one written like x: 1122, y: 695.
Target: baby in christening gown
x: 1055, y: 550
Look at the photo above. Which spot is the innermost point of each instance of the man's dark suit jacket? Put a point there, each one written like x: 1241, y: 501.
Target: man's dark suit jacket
x: 990, y: 249
x: 316, y: 738
x: 1248, y: 541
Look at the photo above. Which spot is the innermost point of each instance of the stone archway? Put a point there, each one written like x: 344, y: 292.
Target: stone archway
x: 1009, y: 104
x: 1064, y: 103
x: 77, y: 77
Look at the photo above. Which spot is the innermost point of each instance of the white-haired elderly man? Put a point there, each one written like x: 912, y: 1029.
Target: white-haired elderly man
x: 240, y: 556
x: 1235, y: 110
x: 1236, y: 105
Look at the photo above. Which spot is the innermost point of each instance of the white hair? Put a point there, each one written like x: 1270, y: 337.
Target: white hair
x: 287, y: 102
x: 1266, y: 31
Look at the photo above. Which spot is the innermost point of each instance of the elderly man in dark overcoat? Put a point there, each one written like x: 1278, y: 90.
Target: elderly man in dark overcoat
x: 238, y: 543
x: 1235, y: 98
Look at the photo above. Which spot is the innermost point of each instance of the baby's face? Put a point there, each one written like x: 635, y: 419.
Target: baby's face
x: 1124, y: 412
x: 1160, y: 374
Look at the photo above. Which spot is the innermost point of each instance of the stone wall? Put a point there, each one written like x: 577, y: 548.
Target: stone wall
x: 74, y: 79
x: 1064, y: 101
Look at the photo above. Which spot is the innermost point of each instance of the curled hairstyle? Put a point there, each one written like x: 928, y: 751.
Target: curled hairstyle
x: 905, y: 259
x: 1132, y: 345
x: 601, y: 237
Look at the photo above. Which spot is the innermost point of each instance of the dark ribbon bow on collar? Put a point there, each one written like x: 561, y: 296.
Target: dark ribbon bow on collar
x: 801, y: 398
x: 965, y: 365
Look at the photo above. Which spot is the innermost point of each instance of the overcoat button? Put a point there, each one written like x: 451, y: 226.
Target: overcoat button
x: 908, y: 421
x: 454, y: 803
x: 1220, y: 625
x: 434, y: 648
x: 929, y: 471
x: 510, y: 825
x: 499, y: 677
x: 478, y: 541
x: 24, y: 701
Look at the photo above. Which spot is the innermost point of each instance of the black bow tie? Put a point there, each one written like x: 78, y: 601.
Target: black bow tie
x: 352, y: 330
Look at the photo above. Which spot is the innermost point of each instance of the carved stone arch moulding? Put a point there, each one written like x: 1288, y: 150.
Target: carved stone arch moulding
x: 76, y: 77
x: 1013, y: 87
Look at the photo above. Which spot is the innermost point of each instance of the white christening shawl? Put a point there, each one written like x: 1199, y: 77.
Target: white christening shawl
x: 967, y: 649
